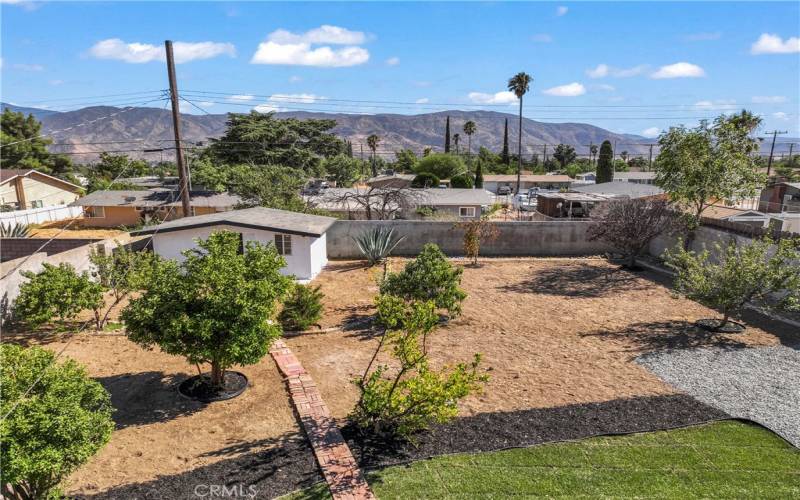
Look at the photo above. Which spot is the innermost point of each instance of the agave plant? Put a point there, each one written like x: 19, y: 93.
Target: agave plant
x: 376, y: 244
x: 14, y: 230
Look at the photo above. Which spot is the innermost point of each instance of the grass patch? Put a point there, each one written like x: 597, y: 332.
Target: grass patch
x: 720, y: 460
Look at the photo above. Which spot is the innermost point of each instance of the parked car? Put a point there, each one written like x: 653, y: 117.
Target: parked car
x: 504, y: 190
x: 524, y: 203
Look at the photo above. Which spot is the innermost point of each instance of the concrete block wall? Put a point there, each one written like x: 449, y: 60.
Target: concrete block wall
x: 14, y: 248
x: 517, y: 238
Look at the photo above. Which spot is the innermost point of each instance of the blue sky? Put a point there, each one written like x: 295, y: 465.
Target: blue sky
x: 628, y: 67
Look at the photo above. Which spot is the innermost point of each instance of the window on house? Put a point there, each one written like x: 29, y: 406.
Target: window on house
x: 466, y: 211
x: 283, y: 242
x: 95, y: 212
x: 37, y: 204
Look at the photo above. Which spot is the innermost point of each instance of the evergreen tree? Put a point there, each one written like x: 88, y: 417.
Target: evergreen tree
x: 506, y: 158
x: 349, y: 149
x: 447, y: 136
x: 605, y: 164
x: 479, y: 175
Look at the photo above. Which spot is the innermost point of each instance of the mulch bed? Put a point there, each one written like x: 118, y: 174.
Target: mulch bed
x: 199, y: 387
x: 501, y: 430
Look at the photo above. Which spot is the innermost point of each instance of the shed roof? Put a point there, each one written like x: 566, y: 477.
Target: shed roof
x: 268, y: 219
x: 629, y: 189
x: 11, y: 173
x: 527, y: 178
x: 155, y: 198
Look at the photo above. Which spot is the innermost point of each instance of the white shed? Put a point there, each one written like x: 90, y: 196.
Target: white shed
x: 300, y: 238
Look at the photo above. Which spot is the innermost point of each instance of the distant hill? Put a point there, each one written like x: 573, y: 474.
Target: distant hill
x: 396, y: 131
x: 37, y: 112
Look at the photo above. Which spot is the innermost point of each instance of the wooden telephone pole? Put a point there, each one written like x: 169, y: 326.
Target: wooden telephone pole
x: 183, y: 177
x: 772, y: 149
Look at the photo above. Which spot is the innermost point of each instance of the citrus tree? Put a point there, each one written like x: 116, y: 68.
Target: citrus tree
x: 55, y: 292
x: 54, y: 418
x: 217, y: 307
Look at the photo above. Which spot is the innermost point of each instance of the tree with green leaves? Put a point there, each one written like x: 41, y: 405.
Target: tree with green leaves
x: 505, y: 157
x: 605, y: 164
x: 462, y: 181
x: 564, y: 154
x: 738, y: 274
x: 479, y: 175
x: 372, y: 142
x: 217, y: 307
x: 55, y: 418
x: 342, y: 169
x: 56, y: 292
x: 709, y: 163
x: 405, y: 160
x: 442, y: 165
x: 302, y: 307
x: 469, y: 129
x: 425, y: 180
x: 519, y: 84
x: 447, y: 136
x: 593, y: 153
x: 430, y: 276
x: 103, y: 173
x: 456, y: 140
x: 269, y: 186
x: 23, y: 146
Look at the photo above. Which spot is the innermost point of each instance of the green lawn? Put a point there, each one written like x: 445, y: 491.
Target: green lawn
x: 722, y: 460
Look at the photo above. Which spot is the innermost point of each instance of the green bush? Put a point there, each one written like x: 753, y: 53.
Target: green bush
x: 463, y: 181
x: 442, y: 165
x: 51, y: 430
x: 425, y: 180
x: 302, y: 308
x: 55, y: 292
x: 428, y: 277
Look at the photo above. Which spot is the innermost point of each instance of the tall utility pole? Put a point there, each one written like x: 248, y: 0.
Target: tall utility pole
x: 650, y: 160
x: 791, y: 148
x: 183, y: 178
x: 772, y: 149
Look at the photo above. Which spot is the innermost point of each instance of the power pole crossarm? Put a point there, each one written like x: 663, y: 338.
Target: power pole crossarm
x: 183, y: 178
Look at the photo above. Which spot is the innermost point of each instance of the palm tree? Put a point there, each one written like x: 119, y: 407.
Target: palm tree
x: 372, y: 142
x: 519, y: 84
x: 456, y: 138
x: 469, y: 129
x: 593, y: 152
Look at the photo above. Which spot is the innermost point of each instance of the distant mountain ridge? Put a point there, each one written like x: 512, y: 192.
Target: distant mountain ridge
x: 91, y: 125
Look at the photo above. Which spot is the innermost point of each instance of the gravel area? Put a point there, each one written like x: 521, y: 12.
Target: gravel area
x: 760, y: 384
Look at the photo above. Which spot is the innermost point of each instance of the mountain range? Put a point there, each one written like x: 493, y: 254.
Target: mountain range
x: 107, y: 127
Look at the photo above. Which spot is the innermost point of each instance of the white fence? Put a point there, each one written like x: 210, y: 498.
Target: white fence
x: 40, y: 215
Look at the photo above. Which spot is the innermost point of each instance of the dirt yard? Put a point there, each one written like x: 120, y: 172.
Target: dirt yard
x: 552, y: 332
x: 71, y: 228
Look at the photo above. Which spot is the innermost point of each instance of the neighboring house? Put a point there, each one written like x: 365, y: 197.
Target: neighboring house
x: 786, y: 221
x: 586, y: 177
x: 622, y: 190
x: 150, y: 182
x: 299, y: 238
x: 391, y: 181
x: 24, y: 189
x: 780, y: 197
x: 635, y: 177
x: 452, y: 203
x: 130, y: 208
x: 493, y: 182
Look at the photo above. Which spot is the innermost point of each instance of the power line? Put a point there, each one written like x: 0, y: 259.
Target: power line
x: 143, y: 93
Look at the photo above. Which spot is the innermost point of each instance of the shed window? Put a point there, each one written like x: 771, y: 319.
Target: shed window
x: 466, y: 211
x: 96, y: 212
x: 37, y: 204
x: 283, y: 242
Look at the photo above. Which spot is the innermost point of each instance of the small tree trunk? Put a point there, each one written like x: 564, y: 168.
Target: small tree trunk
x: 217, y: 375
x: 726, y: 315
x: 632, y: 261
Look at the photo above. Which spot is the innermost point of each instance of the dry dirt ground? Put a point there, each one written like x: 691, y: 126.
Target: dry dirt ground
x: 551, y: 331
x: 69, y: 229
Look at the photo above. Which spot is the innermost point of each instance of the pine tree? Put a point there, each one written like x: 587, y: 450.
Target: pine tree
x: 349, y: 149
x: 479, y: 175
x: 447, y: 136
x: 505, y: 157
x: 605, y: 164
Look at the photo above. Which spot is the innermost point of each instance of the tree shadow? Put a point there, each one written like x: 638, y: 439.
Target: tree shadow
x: 286, y: 465
x: 663, y: 335
x: 22, y: 335
x: 345, y: 266
x: 577, y: 280
x: 147, y: 397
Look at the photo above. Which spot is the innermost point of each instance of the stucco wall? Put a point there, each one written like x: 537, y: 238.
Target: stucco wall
x: 705, y: 237
x: 516, y: 238
x: 46, y: 191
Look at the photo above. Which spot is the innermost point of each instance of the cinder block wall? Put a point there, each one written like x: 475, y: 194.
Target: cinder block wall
x: 518, y: 238
x: 14, y: 248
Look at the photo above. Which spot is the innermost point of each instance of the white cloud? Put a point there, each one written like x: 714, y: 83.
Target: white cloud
x: 424, y: 100
x: 268, y: 108
x: 702, y: 37
x: 679, y: 70
x: 651, y: 132
x: 137, y: 53
x: 542, y: 38
x: 393, y: 61
x: 502, y: 97
x: 604, y: 70
x: 241, y: 97
x: 28, y: 67
x: 605, y: 87
x: 333, y: 35
x: 716, y: 105
x: 295, y: 79
x: 780, y: 115
x: 301, y: 54
x: 569, y: 90
x: 562, y: 11
x: 295, y: 98
x: 769, y: 99
x: 773, y: 44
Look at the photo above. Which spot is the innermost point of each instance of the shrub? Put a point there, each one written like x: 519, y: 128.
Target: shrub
x: 743, y: 273
x: 302, y: 309
x: 216, y: 307
x: 396, y: 403
x: 476, y: 231
x: 376, y: 244
x: 428, y: 277
x: 442, y: 165
x: 425, y: 180
x: 56, y: 292
x: 14, y: 230
x: 51, y: 430
x: 463, y: 181
x: 121, y: 272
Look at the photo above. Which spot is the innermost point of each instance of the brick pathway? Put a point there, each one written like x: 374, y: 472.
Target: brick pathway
x: 340, y: 469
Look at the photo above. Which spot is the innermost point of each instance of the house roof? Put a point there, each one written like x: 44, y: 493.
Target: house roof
x: 268, y: 219
x: 629, y: 189
x: 722, y: 213
x: 8, y: 174
x: 155, y: 198
x: 526, y: 178
x: 392, y: 177
x: 455, y: 196
x: 634, y: 175
x: 575, y: 197
x: 337, y: 199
